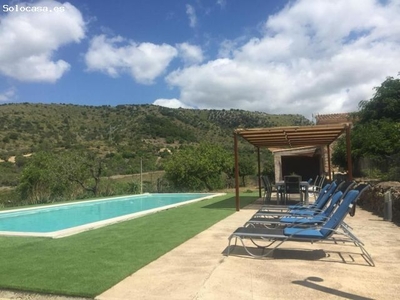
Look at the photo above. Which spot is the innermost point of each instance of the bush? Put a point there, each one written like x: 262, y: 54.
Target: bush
x: 8, y: 174
x: 8, y: 198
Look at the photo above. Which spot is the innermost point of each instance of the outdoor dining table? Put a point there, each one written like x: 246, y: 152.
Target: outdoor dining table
x: 280, y: 188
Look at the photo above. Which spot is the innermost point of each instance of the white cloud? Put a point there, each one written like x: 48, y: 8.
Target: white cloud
x: 191, y: 12
x: 226, y: 48
x: 221, y: 3
x: 313, y: 57
x: 8, y: 95
x: 28, y: 40
x: 190, y: 54
x: 144, y: 61
x: 171, y: 103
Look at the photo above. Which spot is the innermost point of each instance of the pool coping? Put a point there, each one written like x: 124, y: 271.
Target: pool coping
x: 95, y: 225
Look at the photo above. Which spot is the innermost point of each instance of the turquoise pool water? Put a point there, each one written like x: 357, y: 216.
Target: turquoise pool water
x: 43, y: 221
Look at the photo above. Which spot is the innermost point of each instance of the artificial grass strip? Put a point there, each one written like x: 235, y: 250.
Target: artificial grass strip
x: 89, y: 263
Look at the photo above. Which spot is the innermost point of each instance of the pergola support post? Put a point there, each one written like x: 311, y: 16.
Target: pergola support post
x: 348, y: 150
x: 237, y: 200
x: 329, y: 161
x: 259, y: 172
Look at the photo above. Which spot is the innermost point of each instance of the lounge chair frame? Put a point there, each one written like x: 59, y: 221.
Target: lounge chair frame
x: 279, y: 239
x: 304, y: 234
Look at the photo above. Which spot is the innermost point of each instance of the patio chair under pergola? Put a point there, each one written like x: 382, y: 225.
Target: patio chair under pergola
x: 291, y: 137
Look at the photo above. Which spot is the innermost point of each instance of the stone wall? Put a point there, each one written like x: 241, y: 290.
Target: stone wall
x: 373, y: 199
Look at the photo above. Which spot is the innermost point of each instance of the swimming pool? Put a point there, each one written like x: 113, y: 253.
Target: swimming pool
x: 61, y: 220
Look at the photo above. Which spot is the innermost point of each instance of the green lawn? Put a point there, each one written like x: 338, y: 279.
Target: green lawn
x: 89, y: 263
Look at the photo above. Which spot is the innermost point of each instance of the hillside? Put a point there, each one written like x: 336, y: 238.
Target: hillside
x: 25, y: 128
x: 124, y: 132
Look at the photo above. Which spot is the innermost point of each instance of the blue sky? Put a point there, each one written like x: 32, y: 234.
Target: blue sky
x: 304, y: 56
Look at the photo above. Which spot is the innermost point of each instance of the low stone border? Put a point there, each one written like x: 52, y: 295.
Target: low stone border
x: 373, y: 200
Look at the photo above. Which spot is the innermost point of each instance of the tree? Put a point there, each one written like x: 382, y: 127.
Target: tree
x: 49, y: 177
x: 196, y: 168
x: 385, y: 104
x: 40, y: 180
x: 20, y: 160
x: 376, y: 138
x: 376, y: 134
x: 339, y: 155
x: 83, y: 168
x: 268, y: 168
x: 246, y: 167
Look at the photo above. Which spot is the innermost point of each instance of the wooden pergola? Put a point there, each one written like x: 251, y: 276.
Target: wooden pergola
x: 291, y: 137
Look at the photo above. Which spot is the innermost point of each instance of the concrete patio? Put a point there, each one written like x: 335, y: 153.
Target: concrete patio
x: 199, y: 268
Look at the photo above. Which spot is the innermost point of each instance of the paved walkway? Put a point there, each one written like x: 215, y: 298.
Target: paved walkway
x: 198, y: 269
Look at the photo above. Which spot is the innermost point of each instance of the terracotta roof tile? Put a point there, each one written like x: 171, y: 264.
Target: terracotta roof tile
x: 333, y: 118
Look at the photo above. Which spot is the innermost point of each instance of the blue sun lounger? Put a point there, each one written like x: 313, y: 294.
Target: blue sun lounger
x: 299, y: 234
x: 291, y: 220
x: 305, y: 217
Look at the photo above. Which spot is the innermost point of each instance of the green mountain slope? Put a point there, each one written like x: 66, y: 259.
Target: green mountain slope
x: 123, y: 134
x: 28, y: 127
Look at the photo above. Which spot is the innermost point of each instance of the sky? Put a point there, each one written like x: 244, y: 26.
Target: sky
x: 282, y: 57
